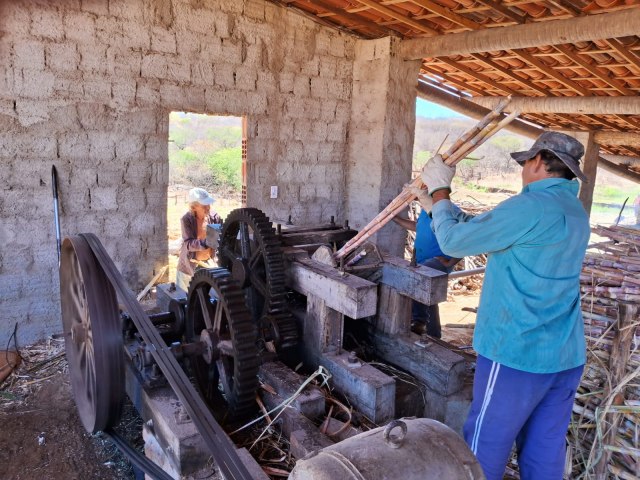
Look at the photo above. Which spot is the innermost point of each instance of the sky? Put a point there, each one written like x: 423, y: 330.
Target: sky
x: 431, y: 110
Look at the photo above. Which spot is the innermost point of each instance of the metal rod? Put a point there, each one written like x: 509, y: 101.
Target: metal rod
x: 467, y: 273
x: 56, y: 211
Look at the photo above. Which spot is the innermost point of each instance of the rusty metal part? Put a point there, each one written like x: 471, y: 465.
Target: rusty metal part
x: 250, y: 249
x: 222, y: 449
x: 93, y: 336
x: 218, y: 317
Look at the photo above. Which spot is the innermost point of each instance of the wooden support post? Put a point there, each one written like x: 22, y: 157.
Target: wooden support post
x: 394, y: 311
x: 323, y: 328
x: 589, y: 167
x: 620, y: 351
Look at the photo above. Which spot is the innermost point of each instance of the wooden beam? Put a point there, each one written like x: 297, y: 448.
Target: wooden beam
x: 627, y: 105
x: 318, y: 236
x: 554, y: 32
x: 347, y: 294
x: 422, y: 284
x: 506, y: 11
x: 434, y: 365
x: 489, y: 62
x: 368, y: 389
x: 623, y: 160
x: 589, y: 167
x: 618, y: 138
x: 624, y: 52
x: 620, y: 170
x: 594, y: 70
x: 401, y: 18
x: 470, y: 109
x: 531, y: 60
x: 480, y: 76
x: 353, y: 17
x: 448, y: 14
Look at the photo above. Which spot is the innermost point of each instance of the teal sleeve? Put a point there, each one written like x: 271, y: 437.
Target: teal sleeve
x: 460, y: 235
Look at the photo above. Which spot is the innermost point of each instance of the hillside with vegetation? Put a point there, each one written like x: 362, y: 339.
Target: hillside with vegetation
x: 205, y: 151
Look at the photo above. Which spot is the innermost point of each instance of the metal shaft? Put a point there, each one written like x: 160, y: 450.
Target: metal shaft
x: 56, y: 211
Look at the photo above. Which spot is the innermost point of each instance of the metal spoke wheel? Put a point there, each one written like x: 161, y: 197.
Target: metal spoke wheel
x: 218, y: 317
x: 93, y: 336
x: 250, y: 249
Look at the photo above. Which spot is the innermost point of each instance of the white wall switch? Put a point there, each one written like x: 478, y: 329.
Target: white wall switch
x: 274, y: 191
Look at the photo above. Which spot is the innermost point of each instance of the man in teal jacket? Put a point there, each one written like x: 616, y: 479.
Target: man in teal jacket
x: 529, y: 329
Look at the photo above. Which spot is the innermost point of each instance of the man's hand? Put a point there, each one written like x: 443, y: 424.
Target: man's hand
x: 423, y: 197
x: 437, y: 175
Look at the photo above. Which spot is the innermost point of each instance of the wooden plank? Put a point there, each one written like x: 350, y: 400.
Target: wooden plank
x: 369, y: 390
x: 437, y: 367
x: 305, y: 228
x: 394, y: 311
x: 347, y: 294
x: 422, y: 284
x: 317, y: 236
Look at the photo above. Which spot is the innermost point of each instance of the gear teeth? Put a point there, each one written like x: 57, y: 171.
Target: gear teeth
x: 275, y: 304
x: 244, y: 334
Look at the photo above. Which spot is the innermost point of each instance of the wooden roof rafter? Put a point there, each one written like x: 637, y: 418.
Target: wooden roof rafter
x: 534, y: 48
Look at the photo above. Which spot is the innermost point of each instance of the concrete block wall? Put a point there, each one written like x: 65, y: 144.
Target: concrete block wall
x: 381, y: 135
x: 88, y: 85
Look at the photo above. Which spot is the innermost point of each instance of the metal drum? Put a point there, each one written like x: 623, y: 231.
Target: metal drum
x: 406, y: 449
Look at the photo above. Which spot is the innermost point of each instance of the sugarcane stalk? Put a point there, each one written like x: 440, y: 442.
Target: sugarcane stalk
x: 488, y: 118
x: 477, y: 135
x: 482, y: 137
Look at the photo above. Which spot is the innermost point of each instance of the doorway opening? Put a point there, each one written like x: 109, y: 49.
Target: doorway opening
x: 205, y: 151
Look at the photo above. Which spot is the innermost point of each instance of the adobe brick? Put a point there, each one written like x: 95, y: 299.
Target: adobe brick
x: 28, y: 54
x: 46, y: 23
x: 79, y: 27
x: 62, y: 56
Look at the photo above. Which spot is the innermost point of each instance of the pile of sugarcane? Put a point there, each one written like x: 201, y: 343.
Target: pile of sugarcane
x: 469, y: 141
x: 604, y: 435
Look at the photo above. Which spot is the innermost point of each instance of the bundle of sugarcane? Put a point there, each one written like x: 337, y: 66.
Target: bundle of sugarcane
x: 604, y: 434
x: 468, y: 142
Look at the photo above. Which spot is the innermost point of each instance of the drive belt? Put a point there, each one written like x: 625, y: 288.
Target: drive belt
x: 220, y: 446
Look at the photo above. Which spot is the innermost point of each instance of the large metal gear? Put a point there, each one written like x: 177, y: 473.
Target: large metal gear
x: 250, y: 249
x: 218, y: 317
x: 93, y: 336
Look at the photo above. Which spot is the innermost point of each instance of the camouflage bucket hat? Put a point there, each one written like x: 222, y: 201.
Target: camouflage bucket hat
x: 566, y: 148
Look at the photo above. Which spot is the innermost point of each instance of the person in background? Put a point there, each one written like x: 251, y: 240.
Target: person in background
x: 426, y: 318
x: 529, y: 332
x: 194, y: 250
x: 636, y: 209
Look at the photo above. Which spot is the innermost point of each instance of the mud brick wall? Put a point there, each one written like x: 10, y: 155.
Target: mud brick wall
x: 87, y: 85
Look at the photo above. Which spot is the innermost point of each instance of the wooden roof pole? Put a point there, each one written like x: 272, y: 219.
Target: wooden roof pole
x: 554, y: 32
x: 470, y: 109
x: 623, y: 105
x: 628, y: 139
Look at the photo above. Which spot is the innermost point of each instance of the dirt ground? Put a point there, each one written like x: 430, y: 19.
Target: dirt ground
x: 40, y: 432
